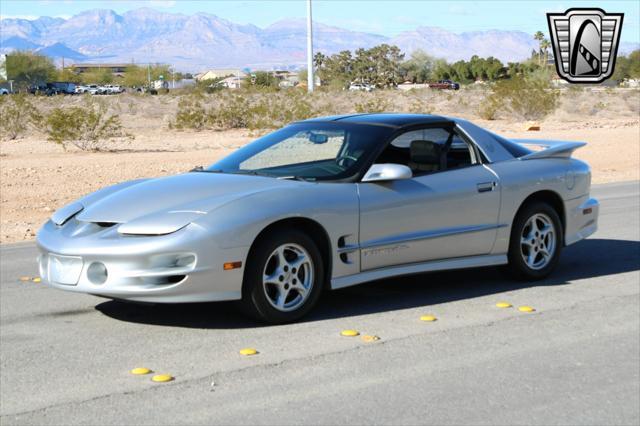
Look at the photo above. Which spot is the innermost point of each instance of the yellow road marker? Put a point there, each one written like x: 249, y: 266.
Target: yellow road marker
x: 248, y: 352
x: 140, y: 370
x: 370, y: 338
x: 37, y: 280
x: 504, y: 305
x: 350, y: 333
x: 526, y: 309
x: 429, y: 318
x: 162, y: 378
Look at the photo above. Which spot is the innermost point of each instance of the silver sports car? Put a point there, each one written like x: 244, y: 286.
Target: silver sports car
x: 322, y: 204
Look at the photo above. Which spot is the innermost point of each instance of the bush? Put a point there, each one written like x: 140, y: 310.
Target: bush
x: 277, y: 111
x: 420, y: 106
x: 245, y: 110
x: 191, y: 114
x: 529, y: 98
x: 488, y: 108
x: 376, y: 104
x: 265, y: 79
x: 87, y: 127
x: 18, y: 114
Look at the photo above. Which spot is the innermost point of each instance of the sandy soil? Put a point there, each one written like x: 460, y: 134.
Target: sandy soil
x: 37, y: 177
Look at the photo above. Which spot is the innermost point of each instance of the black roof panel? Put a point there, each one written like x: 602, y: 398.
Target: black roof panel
x: 389, y: 119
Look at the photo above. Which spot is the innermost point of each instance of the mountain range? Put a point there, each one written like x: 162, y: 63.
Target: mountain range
x: 200, y: 41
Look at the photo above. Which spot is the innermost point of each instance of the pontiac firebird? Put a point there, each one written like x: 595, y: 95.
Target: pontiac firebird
x: 324, y: 204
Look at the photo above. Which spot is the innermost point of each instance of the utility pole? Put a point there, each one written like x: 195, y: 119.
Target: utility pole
x: 310, y: 79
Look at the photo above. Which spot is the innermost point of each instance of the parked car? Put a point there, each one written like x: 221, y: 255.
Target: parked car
x: 361, y: 87
x: 110, y: 89
x: 342, y: 200
x: 4, y: 91
x: 61, y: 88
x: 94, y: 89
x: 37, y: 89
x: 445, y: 85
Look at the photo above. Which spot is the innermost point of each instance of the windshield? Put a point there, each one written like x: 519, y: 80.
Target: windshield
x: 310, y: 151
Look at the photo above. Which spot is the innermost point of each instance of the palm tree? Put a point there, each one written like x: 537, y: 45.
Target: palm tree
x: 539, y: 35
x: 544, y: 45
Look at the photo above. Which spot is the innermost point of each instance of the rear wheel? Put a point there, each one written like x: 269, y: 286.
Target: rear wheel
x: 283, y: 278
x: 536, y: 242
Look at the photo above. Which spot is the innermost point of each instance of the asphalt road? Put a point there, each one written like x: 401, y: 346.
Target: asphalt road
x: 65, y: 358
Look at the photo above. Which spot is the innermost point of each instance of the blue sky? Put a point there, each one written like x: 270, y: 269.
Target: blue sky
x: 376, y: 16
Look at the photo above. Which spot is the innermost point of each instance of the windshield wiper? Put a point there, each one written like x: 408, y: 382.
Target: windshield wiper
x: 251, y: 172
x: 203, y: 170
x: 292, y: 177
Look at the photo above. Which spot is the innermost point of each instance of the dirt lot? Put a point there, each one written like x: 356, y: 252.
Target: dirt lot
x: 37, y: 176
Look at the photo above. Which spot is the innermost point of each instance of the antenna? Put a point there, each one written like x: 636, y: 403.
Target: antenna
x: 310, y: 79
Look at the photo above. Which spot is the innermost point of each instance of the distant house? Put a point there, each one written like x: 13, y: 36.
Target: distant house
x: 232, y: 82
x: 287, y: 78
x: 218, y: 73
x: 116, y: 69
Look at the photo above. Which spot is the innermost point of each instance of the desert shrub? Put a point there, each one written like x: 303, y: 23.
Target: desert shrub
x: 575, y: 88
x: 420, y: 106
x: 88, y: 127
x: 376, y: 104
x: 529, y: 98
x: 233, y: 112
x: 276, y: 111
x: 18, y: 115
x: 191, y: 114
x: 243, y: 110
x: 488, y: 108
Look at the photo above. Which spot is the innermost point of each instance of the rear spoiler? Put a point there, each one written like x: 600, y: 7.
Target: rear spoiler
x: 550, y: 149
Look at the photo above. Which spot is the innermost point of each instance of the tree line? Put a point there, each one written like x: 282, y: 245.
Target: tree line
x: 27, y: 69
x: 380, y: 66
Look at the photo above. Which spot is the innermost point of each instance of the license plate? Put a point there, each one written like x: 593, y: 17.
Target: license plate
x: 64, y: 269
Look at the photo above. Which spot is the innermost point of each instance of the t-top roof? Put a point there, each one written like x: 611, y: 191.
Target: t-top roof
x: 389, y: 119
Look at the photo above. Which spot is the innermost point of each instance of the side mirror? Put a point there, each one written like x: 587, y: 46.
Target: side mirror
x: 318, y: 138
x: 387, y: 172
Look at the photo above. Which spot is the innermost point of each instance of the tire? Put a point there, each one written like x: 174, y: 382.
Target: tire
x: 534, y: 253
x: 293, y: 263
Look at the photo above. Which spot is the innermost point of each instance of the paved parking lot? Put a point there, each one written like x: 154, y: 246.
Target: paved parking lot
x: 65, y: 358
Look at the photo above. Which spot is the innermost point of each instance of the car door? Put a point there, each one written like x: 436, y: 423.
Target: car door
x: 435, y: 215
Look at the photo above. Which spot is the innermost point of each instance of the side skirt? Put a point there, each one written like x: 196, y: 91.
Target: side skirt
x: 416, y: 268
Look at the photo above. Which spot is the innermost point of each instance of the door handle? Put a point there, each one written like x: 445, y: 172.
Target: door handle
x: 486, y: 186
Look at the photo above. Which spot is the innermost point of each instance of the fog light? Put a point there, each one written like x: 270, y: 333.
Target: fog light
x: 97, y: 273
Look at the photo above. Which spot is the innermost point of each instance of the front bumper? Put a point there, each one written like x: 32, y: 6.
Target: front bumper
x: 186, y: 266
x: 582, y: 218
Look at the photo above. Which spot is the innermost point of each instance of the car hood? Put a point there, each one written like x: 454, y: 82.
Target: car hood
x: 175, y: 198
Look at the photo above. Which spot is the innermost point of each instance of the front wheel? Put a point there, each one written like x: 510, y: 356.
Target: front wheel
x: 283, y: 278
x: 536, y: 242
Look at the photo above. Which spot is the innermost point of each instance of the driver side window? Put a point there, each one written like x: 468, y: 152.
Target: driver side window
x: 429, y: 150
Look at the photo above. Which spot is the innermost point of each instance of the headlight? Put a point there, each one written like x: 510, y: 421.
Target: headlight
x: 160, y: 223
